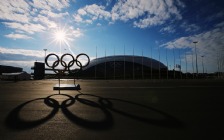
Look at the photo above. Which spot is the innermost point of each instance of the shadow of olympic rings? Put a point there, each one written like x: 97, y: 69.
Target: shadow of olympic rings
x: 106, y: 106
x: 165, y: 120
x: 15, y: 121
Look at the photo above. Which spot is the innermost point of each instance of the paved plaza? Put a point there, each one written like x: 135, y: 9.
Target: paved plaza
x: 112, y: 110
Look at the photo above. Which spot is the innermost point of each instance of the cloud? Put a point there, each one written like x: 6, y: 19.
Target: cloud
x: 52, y: 14
x: 157, y: 12
x: 28, y: 28
x: 78, y: 18
x: 50, y: 4
x: 215, y: 16
x: 169, y: 29
x: 76, y: 32
x: 210, y: 45
x: 98, y: 24
x: 24, y: 52
x: 18, y: 36
x: 90, y: 13
x: 108, y: 2
x: 14, y: 10
x: 145, y: 13
x: 190, y: 27
x: 45, y: 21
x: 31, y: 17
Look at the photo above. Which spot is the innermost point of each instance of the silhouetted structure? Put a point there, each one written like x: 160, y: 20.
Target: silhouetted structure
x: 9, y: 69
x: 124, y: 67
x: 39, y: 70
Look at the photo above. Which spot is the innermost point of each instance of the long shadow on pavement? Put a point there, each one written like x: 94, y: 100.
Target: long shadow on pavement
x: 165, y: 120
x: 106, y: 105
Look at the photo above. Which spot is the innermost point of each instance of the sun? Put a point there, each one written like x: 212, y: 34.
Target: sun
x: 60, y: 35
x: 61, y: 38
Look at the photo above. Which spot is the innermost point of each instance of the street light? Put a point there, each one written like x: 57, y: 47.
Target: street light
x: 45, y: 53
x: 195, y: 42
x: 202, y: 63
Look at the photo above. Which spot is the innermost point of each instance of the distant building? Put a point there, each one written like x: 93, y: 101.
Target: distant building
x: 123, y: 67
x: 17, y: 76
x: 9, y: 69
x: 39, y: 70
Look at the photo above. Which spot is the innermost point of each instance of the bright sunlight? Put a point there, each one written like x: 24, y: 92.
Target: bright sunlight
x: 60, y: 35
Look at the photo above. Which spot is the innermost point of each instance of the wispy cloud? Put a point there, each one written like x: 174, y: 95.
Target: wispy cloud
x: 52, y: 14
x: 145, y: 13
x: 18, y: 36
x: 90, y: 13
x: 152, y: 12
x: 169, y: 29
x: 190, y: 27
x: 31, y: 17
x: 14, y: 10
x: 44, y: 21
x: 210, y: 45
x: 50, y: 4
x: 28, y: 28
x: 24, y: 52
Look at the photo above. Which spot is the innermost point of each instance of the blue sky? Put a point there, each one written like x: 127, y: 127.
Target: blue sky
x: 142, y: 27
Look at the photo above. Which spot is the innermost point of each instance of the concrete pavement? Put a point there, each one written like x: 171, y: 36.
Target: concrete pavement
x: 112, y: 109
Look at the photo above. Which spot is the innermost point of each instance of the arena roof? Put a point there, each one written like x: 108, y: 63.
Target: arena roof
x: 128, y: 58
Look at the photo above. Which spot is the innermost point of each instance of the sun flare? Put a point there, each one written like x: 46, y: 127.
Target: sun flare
x: 60, y: 35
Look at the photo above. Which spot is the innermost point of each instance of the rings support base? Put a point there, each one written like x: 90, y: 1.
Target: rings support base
x: 67, y: 87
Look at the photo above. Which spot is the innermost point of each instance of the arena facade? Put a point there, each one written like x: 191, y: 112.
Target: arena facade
x: 124, y: 67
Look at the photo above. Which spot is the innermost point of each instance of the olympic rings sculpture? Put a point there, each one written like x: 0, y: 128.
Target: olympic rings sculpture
x: 67, y: 66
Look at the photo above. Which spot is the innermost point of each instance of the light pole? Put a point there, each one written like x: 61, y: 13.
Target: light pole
x: 195, y: 42
x: 45, y: 50
x: 192, y: 63
x: 202, y: 63
x: 174, y: 63
x: 186, y: 64
x: 159, y: 65
x: 167, y: 66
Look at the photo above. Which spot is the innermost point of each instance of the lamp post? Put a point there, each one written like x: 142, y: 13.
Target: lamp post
x: 167, y: 66
x: 45, y: 50
x: 195, y: 42
x: 202, y: 63
x: 174, y: 63
x: 192, y: 63
x: 159, y: 65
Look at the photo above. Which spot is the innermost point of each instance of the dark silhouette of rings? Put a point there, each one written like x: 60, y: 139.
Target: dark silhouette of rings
x: 67, y: 66
x: 15, y: 121
x: 49, y: 101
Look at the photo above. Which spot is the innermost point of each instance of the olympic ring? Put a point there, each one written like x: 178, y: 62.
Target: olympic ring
x: 79, y: 61
x: 46, y: 62
x: 67, y: 66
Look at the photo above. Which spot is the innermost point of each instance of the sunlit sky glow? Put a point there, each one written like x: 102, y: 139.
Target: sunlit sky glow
x: 113, y: 27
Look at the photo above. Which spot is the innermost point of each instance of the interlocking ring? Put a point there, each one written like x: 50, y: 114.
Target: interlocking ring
x: 67, y: 66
